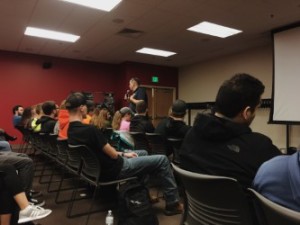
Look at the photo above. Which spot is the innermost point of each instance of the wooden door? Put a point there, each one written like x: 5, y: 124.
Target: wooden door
x: 159, y: 102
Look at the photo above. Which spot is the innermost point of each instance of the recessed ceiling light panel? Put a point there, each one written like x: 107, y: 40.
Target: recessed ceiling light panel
x: 105, y: 5
x: 43, y: 33
x: 157, y: 52
x: 214, y: 29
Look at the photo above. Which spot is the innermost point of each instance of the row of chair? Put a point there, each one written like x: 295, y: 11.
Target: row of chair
x: 212, y: 200
x: 78, y: 160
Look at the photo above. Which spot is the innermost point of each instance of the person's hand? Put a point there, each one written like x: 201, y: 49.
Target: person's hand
x: 130, y: 155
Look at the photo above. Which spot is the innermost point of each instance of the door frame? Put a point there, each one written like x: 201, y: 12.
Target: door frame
x: 153, y: 87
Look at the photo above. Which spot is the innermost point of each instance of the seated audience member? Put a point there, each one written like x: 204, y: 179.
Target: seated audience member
x: 101, y: 119
x: 223, y: 143
x: 279, y: 180
x: 62, y: 123
x: 17, y: 114
x: 121, y: 119
x: 174, y: 126
x: 48, y: 120
x: 26, y: 118
x: 13, y: 198
x: 120, y: 125
x: 140, y: 122
x: 24, y: 165
x: 90, y: 111
x: 116, y: 164
x: 37, y: 113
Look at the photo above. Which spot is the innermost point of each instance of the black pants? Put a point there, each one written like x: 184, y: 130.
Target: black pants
x: 10, y: 185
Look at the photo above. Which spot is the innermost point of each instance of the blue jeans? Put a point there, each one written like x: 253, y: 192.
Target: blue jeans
x: 153, y: 164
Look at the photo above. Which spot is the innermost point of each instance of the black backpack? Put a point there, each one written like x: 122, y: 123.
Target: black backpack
x: 134, y: 205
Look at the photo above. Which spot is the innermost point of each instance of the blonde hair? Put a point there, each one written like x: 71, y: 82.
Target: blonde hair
x: 100, y: 119
x: 116, y: 122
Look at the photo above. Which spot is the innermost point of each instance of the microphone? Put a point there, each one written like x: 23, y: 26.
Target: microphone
x: 126, y: 96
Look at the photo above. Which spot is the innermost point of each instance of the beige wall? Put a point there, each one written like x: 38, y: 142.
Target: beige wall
x: 200, y: 83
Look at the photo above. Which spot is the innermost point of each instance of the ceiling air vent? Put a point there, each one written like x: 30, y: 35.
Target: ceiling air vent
x: 131, y: 33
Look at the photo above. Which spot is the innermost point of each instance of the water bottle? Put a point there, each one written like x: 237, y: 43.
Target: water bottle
x: 109, y: 220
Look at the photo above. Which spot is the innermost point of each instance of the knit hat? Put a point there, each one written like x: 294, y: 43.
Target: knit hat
x: 179, y: 108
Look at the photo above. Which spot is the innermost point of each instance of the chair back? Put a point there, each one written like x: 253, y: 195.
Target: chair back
x: 270, y: 213
x: 157, y: 143
x: 91, y: 167
x: 62, y: 147
x: 140, y: 141
x: 176, y: 144
x: 214, y: 200
x: 74, y: 162
x: 52, y: 141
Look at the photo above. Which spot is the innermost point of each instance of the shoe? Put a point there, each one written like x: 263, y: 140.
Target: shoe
x: 31, y: 213
x: 36, y: 202
x: 173, y: 209
x: 35, y: 193
x: 11, y: 138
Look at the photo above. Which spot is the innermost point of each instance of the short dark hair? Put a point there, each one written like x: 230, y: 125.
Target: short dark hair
x: 235, y: 94
x: 75, y: 100
x: 15, y: 108
x: 141, y: 107
x: 137, y: 80
x: 48, y: 107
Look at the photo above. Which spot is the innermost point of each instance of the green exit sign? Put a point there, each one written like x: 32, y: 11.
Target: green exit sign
x: 154, y: 79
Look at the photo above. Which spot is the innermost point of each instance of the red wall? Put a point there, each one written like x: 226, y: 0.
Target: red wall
x: 26, y: 82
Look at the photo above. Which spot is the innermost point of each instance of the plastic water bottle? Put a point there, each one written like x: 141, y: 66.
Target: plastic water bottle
x: 109, y: 220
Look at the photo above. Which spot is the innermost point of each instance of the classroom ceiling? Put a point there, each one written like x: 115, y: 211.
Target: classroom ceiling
x: 108, y: 37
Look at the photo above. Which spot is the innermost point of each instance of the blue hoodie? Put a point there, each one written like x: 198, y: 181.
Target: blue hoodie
x: 279, y: 180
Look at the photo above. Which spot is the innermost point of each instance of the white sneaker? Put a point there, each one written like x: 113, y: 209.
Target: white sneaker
x: 32, y: 212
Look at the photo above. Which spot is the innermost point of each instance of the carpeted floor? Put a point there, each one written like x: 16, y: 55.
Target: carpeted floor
x: 58, y: 215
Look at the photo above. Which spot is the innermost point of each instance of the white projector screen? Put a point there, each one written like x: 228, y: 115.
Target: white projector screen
x: 286, y: 76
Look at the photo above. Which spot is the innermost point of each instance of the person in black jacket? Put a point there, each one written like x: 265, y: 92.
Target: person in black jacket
x: 174, y: 125
x: 222, y: 143
x: 48, y: 120
x: 140, y: 122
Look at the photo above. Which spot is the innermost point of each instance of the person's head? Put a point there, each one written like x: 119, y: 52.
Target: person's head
x: 134, y: 83
x: 18, y: 110
x: 37, y: 110
x: 141, y: 107
x: 76, y: 104
x: 124, y: 113
x: 178, y: 109
x: 26, y: 116
x: 49, y: 108
x: 90, y: 107
x: 239, y: 97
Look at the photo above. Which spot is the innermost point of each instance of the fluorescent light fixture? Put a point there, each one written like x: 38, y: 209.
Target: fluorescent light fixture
x: 158, y: 52
x: 105, y: 5
x: 37, y: 32
x: 214, y: 29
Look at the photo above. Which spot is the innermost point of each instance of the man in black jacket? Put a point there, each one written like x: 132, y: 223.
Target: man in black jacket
x: 140, y: 122
x: 174, y: 125
x: 48, y: 120
x: 223, y: 143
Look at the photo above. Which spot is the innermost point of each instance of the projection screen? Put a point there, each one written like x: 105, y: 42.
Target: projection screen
x: 286, y: 76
